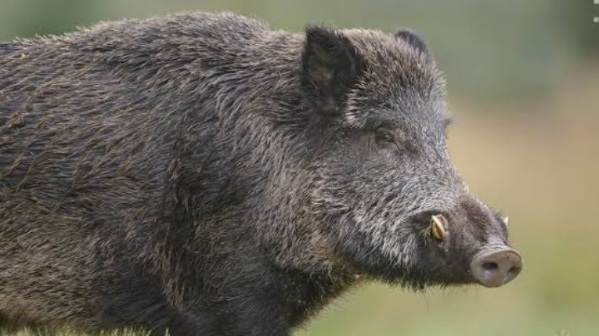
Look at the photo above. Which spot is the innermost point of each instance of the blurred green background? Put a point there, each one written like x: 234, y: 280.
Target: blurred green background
x: 524, y: 87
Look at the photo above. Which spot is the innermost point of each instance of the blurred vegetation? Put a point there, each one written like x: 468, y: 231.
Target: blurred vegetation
x: 490, y: 49
x: 524, y: 81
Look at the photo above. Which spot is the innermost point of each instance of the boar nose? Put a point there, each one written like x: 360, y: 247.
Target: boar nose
x: 495, y: 267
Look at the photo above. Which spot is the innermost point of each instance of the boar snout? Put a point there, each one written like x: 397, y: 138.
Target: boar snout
x: 496, y: 266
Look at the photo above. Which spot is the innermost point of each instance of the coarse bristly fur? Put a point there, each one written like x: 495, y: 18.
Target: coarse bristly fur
x: 206, y: 175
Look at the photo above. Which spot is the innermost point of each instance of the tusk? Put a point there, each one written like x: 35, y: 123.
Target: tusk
x: 438, y: 227
x: 506, y: 220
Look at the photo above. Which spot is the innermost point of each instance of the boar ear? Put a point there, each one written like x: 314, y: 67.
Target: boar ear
x: 415, y: 41
x: 331, y: 65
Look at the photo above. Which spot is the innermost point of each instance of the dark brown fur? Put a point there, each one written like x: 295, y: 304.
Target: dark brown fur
x: 194, y: 174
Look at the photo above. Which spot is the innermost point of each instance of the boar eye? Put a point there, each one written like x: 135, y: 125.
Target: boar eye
x: 384, y: 137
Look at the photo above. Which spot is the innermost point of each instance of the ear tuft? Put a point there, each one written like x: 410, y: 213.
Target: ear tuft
x: 331, y: 65
x: 414, y: 40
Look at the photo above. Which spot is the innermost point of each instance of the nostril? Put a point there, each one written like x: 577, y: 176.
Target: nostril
x: 496, y: 267
x: 490, y: 266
